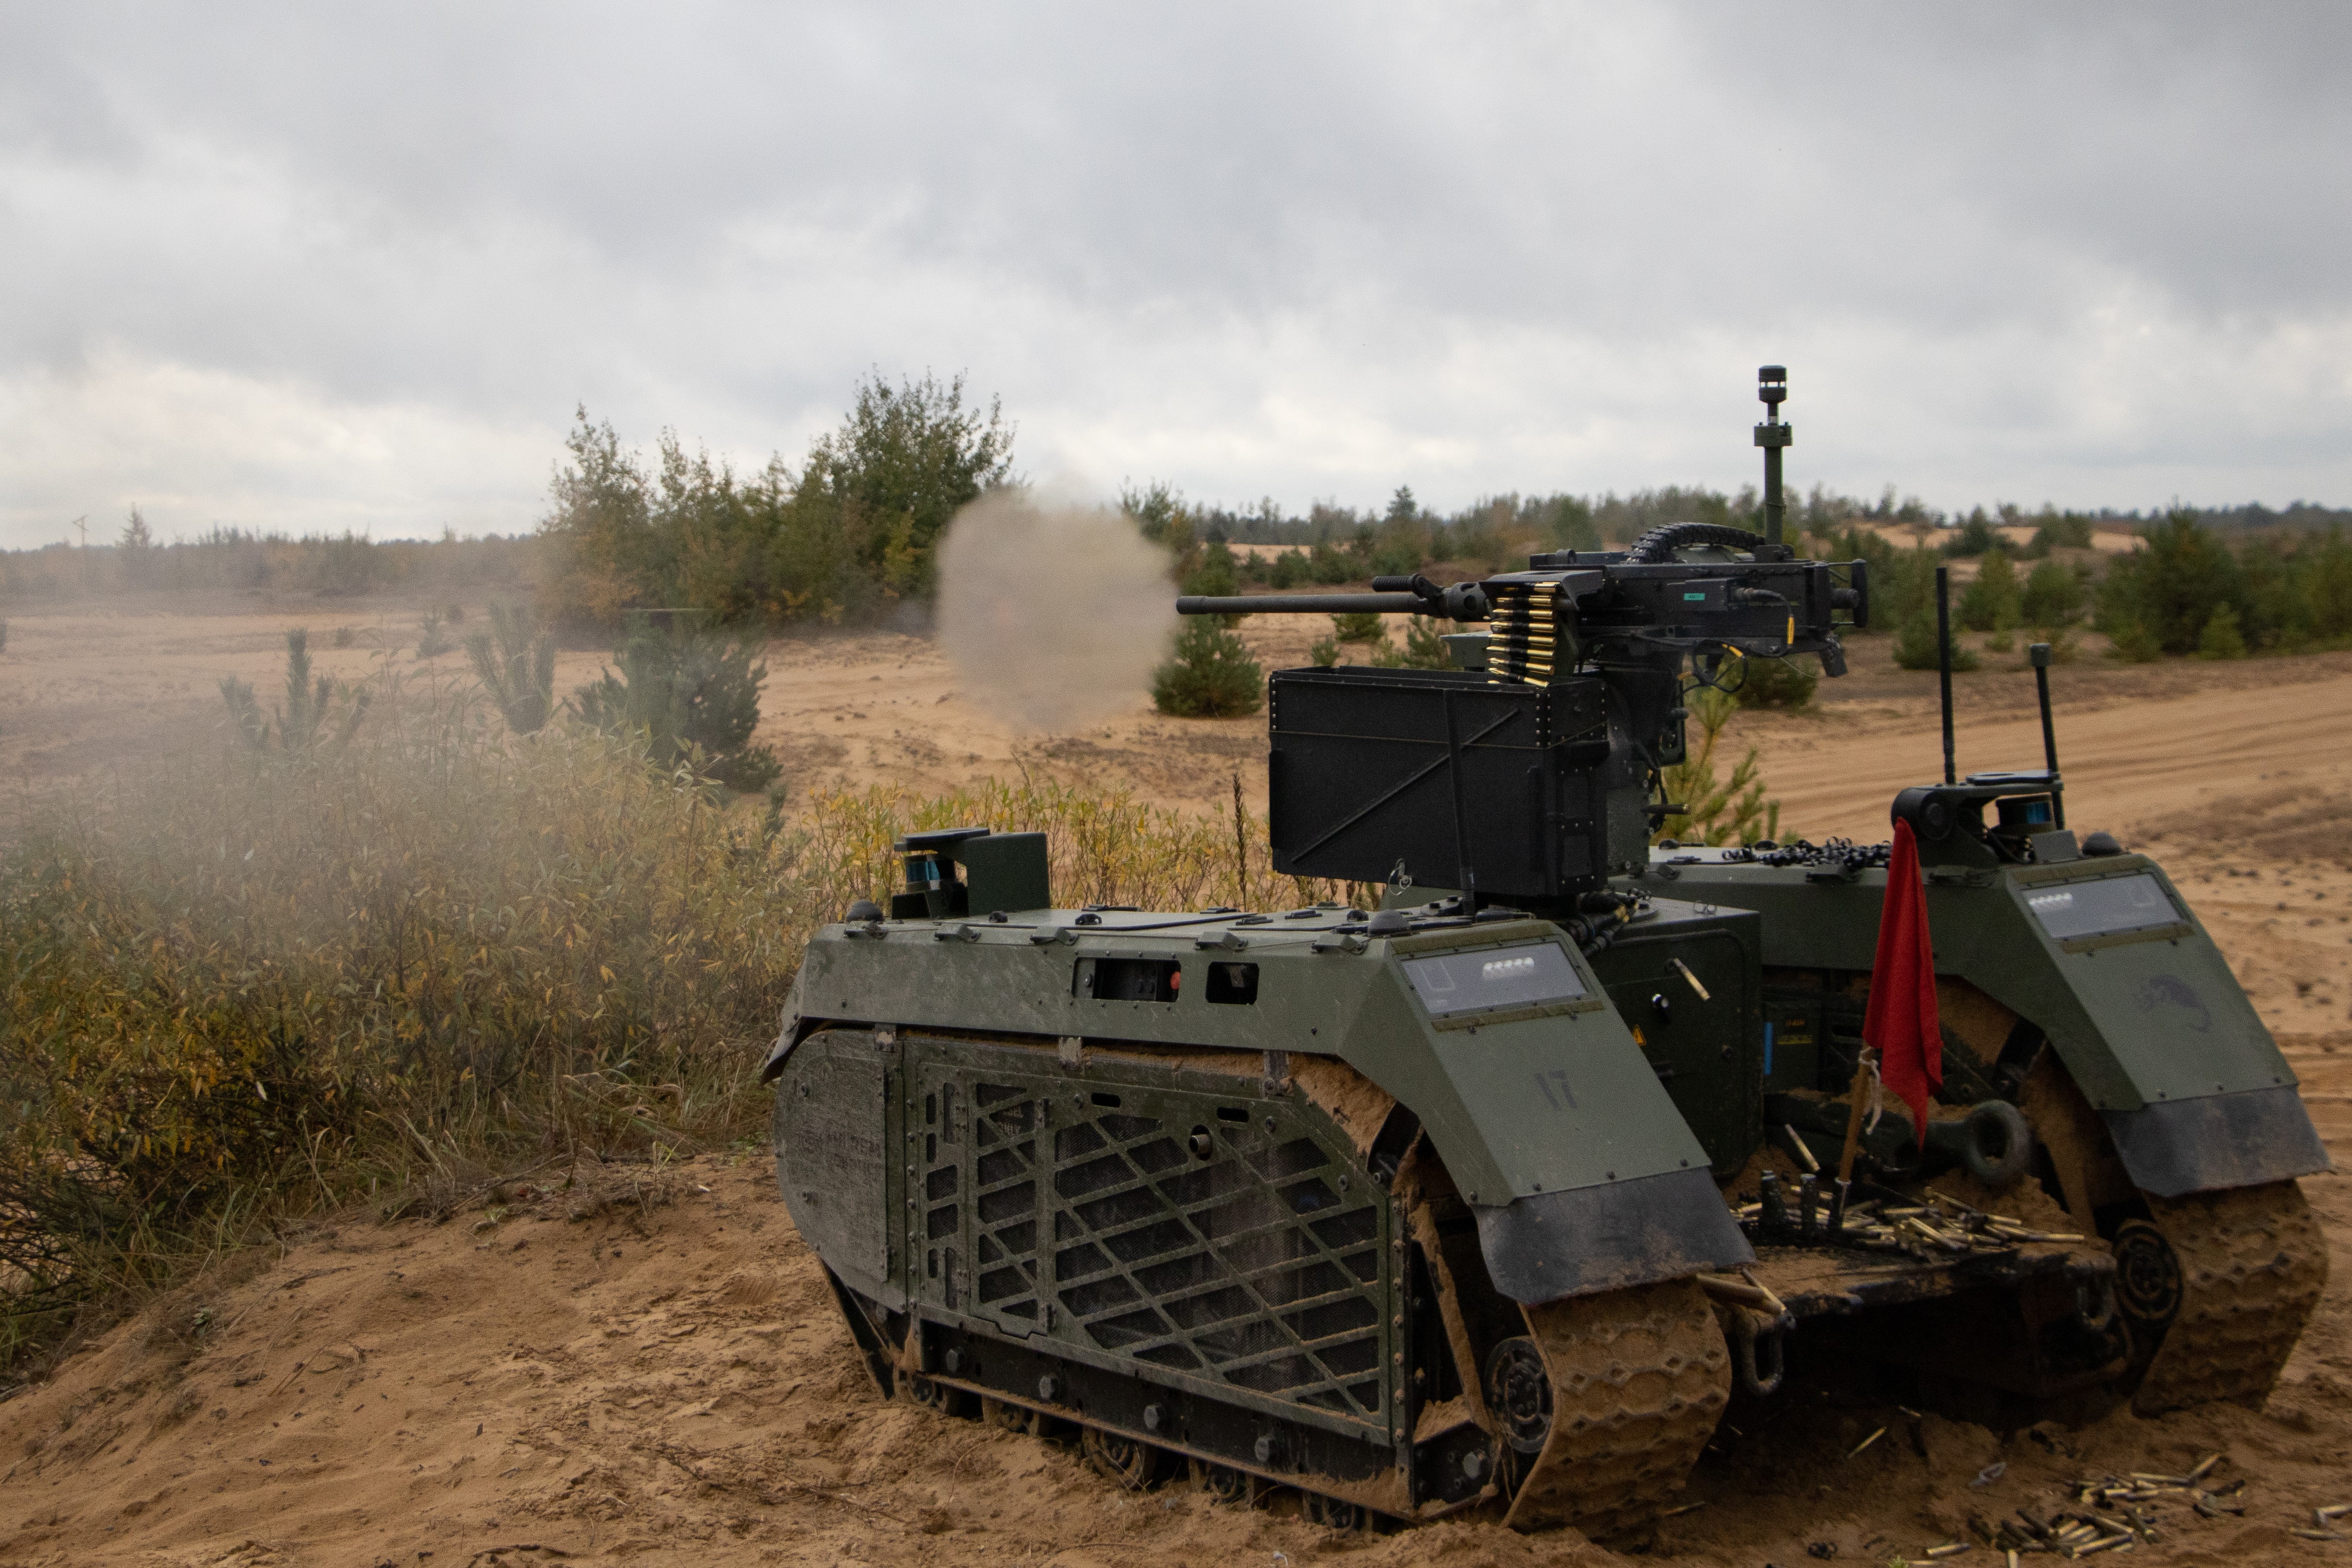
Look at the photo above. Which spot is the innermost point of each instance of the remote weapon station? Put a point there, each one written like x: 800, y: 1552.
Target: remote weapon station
x: 1493, y: 1198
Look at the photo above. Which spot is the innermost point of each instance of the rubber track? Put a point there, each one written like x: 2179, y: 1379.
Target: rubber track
x: 2252, y: 1263
x: 1639, y: 1378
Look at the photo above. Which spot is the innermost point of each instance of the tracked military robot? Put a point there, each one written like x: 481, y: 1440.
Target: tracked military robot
x: 1488, y: 1199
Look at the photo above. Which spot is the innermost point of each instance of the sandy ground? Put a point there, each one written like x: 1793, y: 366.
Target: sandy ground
x: 648, y: 1369
x: 655, y: 1375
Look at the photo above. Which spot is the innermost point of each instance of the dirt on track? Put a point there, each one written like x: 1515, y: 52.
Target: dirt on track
x: 648, y: 1368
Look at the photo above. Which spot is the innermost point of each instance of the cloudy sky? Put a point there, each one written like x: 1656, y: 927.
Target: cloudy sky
x: 323, y: 267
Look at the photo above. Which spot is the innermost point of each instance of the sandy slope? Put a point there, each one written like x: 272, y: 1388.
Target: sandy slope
x: 656, y: 1374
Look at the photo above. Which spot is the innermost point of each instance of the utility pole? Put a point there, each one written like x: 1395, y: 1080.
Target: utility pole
x: 82, y: 523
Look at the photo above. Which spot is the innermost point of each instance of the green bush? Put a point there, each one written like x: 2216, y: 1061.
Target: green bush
x: 2222, y: 639
x: 1330, y: 567
x: 688, y: 692
x: 1914, y: 644
x: 850, y: 533
x: 2054, y: 594
x: 317, y: 716
x: 516, y: 663
x: 2134, y: 644
x: 1214, y: 572
x: 1210, y: 676
x: 1974, y: 537
x: 1359, y: 625
x: 2070, y: 530
x: 1991, y: 601
x: 1787, y: 683
x: 1424, y: 647
x: 2172, y: 584
x: 432, y: 637
x: 1288, y: 569
x: 1325, y: 653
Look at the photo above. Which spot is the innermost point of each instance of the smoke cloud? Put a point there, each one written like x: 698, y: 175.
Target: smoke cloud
x: 1054, y: 615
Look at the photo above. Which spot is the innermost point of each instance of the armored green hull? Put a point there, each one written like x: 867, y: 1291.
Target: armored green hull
x: 1413, y: 1216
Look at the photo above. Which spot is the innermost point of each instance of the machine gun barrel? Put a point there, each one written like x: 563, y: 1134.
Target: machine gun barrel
x: 1301, y: 604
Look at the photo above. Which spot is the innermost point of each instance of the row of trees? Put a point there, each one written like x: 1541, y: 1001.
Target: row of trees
x: 231, y: 560
x: 849, y: 534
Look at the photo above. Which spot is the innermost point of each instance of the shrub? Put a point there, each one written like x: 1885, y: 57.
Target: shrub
x: 1787, y: 683
x: 1210, y: 676
x: 2222, y: 639
x: 2134, y: 644
x: 1328, y: 567
x: 1325, y: 653
x: 432, y: 638
x: 316, y: 716
x: 2054, y: 595
x: 240, y: 987
x: 691, y: 695
x: 4, y: 636
x: 514, y: 661
x: 1288, y: 570
x: 1359, y: 625
x: 1974, y: 537
x: 2171, y: 585
x: 344, y: 637
x: 1425, y: 644
x: 1991, y: 601
x: 1914, y: 644
x: 1212, y: 573
x: 1734, y: 811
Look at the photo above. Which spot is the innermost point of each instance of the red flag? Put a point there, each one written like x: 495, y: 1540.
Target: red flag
x: 1901, y: 1022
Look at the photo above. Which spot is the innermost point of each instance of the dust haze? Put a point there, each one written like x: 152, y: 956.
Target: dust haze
x: 1053, y: 614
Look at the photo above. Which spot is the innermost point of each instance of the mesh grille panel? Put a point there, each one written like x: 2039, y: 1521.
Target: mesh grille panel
x: 1145, y: 1224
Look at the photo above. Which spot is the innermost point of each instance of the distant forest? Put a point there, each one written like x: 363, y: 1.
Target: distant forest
x: 846, y: 536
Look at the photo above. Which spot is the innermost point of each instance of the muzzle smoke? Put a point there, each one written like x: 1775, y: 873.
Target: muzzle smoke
x: 1053, y: 616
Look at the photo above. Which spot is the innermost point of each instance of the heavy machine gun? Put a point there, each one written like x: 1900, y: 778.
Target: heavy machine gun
x: 1534, y: 773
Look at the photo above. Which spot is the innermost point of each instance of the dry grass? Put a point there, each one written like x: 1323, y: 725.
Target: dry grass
x: 402, y: 971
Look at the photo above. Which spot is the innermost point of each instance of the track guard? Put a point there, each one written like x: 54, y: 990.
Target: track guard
x: 1554, y: 1244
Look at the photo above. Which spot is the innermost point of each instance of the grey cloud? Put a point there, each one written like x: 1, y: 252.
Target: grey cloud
x: 2090, y: 252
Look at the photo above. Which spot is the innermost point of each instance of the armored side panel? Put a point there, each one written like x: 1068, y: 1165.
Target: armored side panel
x: 1685, y: 979
x: 2102, y: 956
x: 1498, y: 1037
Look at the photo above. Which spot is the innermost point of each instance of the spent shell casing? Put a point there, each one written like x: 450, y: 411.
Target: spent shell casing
x: 1867, y: 1442
x: 2333, y: 1510
x: 1950, y: 1549
x: 1837, y: 1207
x: 2204, y: 1466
